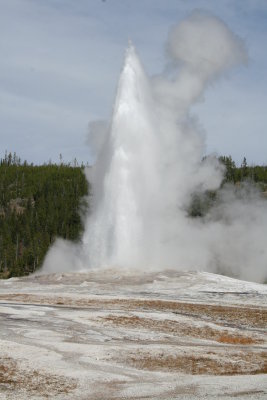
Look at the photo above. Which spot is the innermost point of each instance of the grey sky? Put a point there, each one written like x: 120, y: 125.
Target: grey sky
x: 60, y: 61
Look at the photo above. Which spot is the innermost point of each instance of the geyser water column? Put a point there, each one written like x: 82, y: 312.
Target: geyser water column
x: 151, y: 165
x: 125, y: 175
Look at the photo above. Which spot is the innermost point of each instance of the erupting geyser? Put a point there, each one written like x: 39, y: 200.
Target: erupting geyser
x: 150, y: 164
x: 126, y: 180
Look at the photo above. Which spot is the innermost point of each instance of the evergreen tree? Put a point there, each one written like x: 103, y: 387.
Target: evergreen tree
x: 37, y: 204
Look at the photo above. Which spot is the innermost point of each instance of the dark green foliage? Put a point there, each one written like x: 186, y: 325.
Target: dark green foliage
x: 230, y: 170
x: 236, y: 174
x: 40, y: 203
x: 201, y: 203
x: 37, y: 204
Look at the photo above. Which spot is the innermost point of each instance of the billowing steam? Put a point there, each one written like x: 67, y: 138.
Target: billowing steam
x: 149, y: 166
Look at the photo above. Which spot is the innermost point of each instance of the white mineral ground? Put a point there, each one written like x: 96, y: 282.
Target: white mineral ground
x: 112, y: 334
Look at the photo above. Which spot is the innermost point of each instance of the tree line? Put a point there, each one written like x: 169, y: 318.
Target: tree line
x: 255, y: 175
x: 37, y: 204
x: 40, y: 203
x: 234, y: 174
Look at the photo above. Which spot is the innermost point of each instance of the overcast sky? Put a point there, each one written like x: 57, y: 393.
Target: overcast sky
x: 60, y: 62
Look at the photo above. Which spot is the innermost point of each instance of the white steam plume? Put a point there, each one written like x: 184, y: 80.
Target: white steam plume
x: 97, y: 134
x: 150, y: 164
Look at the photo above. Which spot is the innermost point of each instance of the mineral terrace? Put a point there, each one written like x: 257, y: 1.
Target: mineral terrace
x: 113, y: 334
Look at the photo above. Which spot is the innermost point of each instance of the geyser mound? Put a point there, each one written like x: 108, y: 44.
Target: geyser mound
x: 150, y: 165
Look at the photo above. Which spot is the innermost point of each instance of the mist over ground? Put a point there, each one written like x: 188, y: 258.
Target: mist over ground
x: 149, y: 165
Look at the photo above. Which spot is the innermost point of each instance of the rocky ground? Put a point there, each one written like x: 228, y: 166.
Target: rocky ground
x: 112, y: 334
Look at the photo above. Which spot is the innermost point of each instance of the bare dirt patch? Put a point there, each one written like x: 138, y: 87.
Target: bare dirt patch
x: 235, y: 315
x: 235, y: 364
x: 181, y: 329
x: 13, y: 377
x: 242, y: 340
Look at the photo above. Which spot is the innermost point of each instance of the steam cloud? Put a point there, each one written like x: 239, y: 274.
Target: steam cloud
x: 149, y: 164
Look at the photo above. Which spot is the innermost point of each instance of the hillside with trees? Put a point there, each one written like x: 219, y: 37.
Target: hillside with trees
x: 40, y: 203
x: 37, y: 204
